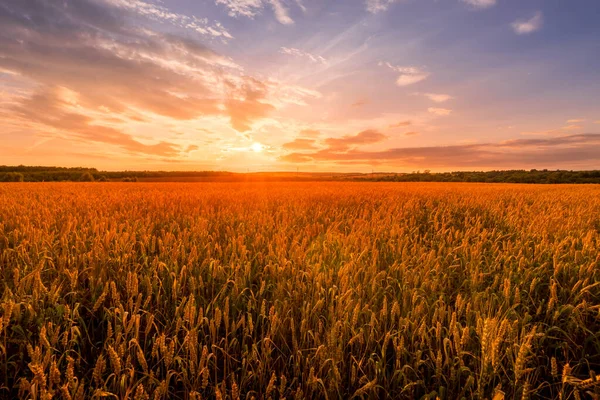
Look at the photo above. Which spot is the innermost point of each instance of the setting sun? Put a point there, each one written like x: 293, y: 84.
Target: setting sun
x: 257, y: 147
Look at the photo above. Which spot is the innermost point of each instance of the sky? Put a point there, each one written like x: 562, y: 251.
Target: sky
x: 300, y: 85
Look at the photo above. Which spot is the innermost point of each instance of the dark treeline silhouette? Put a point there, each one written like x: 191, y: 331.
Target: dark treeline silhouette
x: 511, y: 176
x: 58, y: 174
x: 23, y: 173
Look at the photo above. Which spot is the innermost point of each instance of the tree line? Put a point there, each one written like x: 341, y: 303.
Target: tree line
x: 510, y: 176
x: 23, y: 173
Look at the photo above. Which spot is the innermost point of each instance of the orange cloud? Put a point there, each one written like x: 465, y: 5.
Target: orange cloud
x: 439, y: 111
x: 365, y: 137
x: 438, y: 98
x: 400, y: 124
x: 119, y: 69
x: 247, y: 104
x: 519, y: 153
x: 311, y: 133
x: 300, y: 144
x: 48, y: 108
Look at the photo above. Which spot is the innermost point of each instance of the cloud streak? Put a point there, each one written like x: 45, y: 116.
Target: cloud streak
x: 438, y: 98
x: 291, y: 51
x: 163, y: 14
x: 400, y: 124
x: 116, y: 70
x: 527, y: 26
x: 376, y: 6
x: 519, y: 153
x: 253, y: 8
x: 300, y: 144
x: 480, y: 4
x: 442, y: 112
x: 408, y: 75
x: 369, y: 136
x: 52, y: 108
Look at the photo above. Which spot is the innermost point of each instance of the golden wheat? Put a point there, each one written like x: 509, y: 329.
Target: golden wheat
x: 299, y: 290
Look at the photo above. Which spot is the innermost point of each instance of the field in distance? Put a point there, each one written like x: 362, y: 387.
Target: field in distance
x: 299, y: 290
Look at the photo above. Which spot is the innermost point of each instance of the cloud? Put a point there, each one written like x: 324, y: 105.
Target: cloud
x: 92, y: 51
x: 412, y: 133
x: 300, y: 144
x: 410, y: 79
x: 597, y: 122
x: 163, y: 14
x: 438, y: 98
x: 368, y: 136
x: 245, y: 8
x: 439, y: 111
x: 252, y: 8
x: 295, y: 158
x: 311, y: 133
x: 480, y: 4
x: 299, y: 53
x: 375, y: 6
x: 191, y: 147
x: 575, y: 121
x: 400, y: 124
x: 53, y: 109
x: 408, y: 75
x: 246, y: 104
x: 570, y: 150
x: 523, y: 27
x: 359, y: 103
x: 281, y: 13
x: 118, y: 70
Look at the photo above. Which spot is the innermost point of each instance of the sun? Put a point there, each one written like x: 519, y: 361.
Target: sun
x: 257, y: 147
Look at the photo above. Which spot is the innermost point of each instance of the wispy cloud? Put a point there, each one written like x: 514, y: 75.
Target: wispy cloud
x: 375, y: 6
x: 400, y: 124
x: 526, y: 26
x: 369, y: 136
x: 549, y: 152
x: 438, y: 98
x: 411, y: 133
x: 163, y: 14
x: 439, y: 111
x: 281, y: 13
x: 245, y: 8
x: 53, y: 109
x: 408, y: 75
x: 575, y: 121
x: 480, y: 4
x: 113, y: 70
x: 572, y: 127
x: 252, y: 8
x: 302, y: 54
x: 300, y: 144
x: 310, y: 133
x: 359, y: 103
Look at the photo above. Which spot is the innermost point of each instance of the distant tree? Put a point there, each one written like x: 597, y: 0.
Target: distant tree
x: 102, y: 178
x: 86, y: 177
x: 12, y: 177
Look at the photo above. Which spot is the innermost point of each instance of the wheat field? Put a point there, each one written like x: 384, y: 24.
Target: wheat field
x: 299, y: 290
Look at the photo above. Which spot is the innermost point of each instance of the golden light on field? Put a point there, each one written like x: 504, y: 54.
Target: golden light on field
x: 299, y: 290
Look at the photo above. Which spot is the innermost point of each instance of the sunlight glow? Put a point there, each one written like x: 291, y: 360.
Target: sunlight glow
x: 257, y: 147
